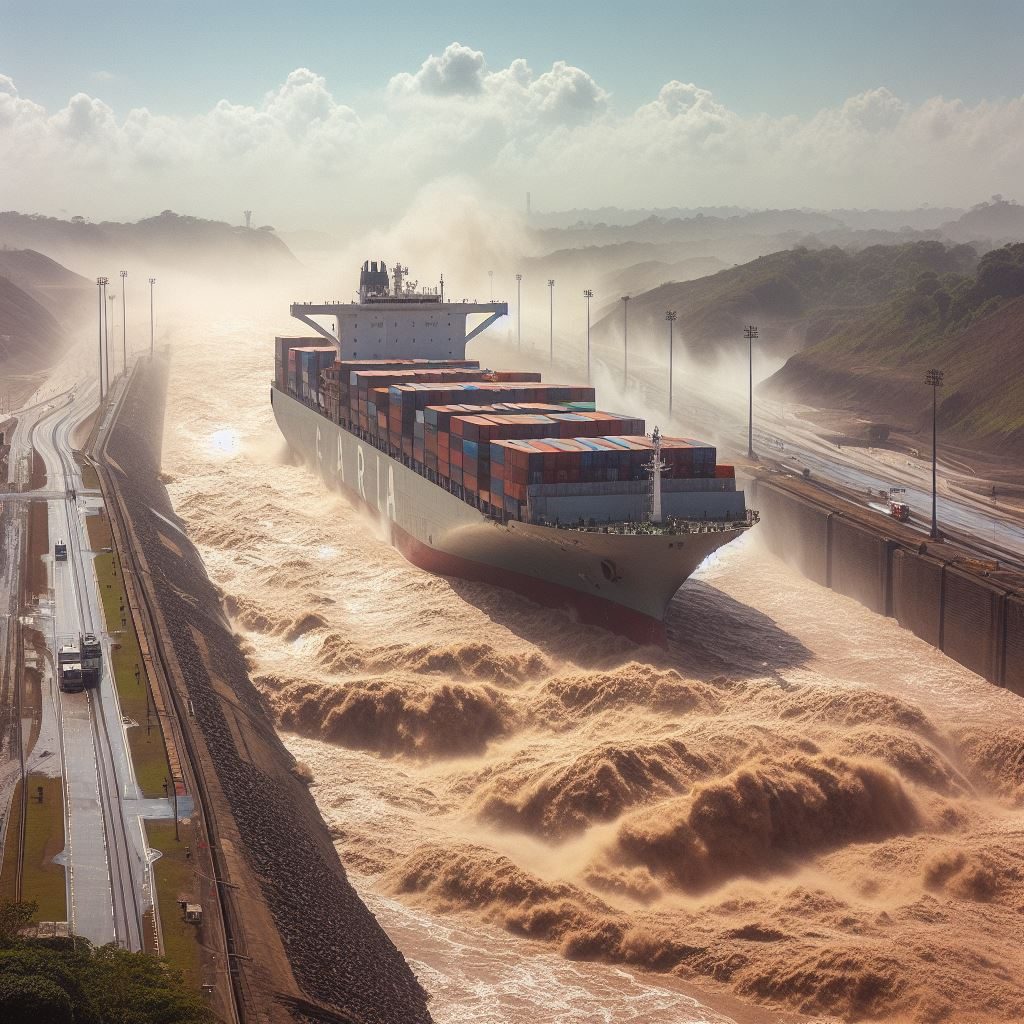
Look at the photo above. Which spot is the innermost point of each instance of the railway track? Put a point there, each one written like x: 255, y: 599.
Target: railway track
x: 241, y: 1006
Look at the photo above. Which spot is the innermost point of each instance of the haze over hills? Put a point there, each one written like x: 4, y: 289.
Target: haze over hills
x: 969, y: 322
x: 797, y: 296
x: 167, y: 240
x: 30, y: 336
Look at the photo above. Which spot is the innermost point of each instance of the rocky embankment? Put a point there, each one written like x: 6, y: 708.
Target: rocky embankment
x: 311, y: 949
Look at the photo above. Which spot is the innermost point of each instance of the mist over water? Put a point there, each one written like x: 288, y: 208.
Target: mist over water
x: 797, y: 804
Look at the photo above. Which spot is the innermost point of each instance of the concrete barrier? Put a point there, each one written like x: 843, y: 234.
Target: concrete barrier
x: 972, y: 622
x: 860, y: 564
x: 917, y: 587
x: 1013, y: 644
x: 796, y: 530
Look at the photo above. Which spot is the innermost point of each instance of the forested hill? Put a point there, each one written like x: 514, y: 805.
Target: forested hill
x: 969, y: 324
x: 797, y: 297
x: 168, y: 240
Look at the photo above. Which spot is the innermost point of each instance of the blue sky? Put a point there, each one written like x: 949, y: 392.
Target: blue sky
x: 180, y: 56
x: 330, y: 112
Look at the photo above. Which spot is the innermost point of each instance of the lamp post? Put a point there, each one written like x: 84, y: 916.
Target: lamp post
x: 551, y: 318
x: 490, y: 278
x: 124, y: 326
x: 670, y: 316
x: 106, y: 333
x: 152, y: 281
x: 750, y: 333
x: 625, y: 341
x: 588, y: 294
x: 519, y: 312
x: 100, y: 285
x: 933, y: 378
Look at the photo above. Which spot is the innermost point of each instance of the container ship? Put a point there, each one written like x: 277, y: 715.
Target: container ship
x: 494, y: 475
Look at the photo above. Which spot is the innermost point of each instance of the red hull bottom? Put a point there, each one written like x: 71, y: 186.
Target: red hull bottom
x: 593, y: 611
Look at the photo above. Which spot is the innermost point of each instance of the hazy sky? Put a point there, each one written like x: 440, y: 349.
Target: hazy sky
x: 316, y: 113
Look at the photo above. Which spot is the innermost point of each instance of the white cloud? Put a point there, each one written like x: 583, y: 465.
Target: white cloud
x: 303, y: 155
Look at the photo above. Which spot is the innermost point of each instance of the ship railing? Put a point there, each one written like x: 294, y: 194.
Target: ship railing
x: 669, y: 527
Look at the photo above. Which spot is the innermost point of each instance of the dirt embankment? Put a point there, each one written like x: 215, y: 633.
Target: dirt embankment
x: 316, y: 951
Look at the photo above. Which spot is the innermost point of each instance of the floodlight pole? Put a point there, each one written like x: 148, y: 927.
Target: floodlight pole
x: 588, y: 294
x: 152, y: 281
x: 124, y: 325
x: 100, y: 283
x: 625, y: 341
x: 519, y: 312
x: 933, y: 378
x: 750, y: 333
x: 551, y: 318
x: 670, y: 316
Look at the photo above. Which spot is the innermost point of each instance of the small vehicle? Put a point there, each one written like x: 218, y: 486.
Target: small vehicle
x: 894, y: 506
x: 60, y: 551
x: 69, y: 665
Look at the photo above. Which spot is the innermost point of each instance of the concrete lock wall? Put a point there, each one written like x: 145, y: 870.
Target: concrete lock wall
x: 1013, y: 644
x: 917, y: 583
x: 972, y: 623
x: 797, y: 531
x: 860, y: 564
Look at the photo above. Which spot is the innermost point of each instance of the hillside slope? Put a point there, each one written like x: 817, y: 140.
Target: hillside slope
x: 796, y: 297
x: 971, y: 326
x: 30, y: 337
x: 168, y: 240
x: 65, y: 294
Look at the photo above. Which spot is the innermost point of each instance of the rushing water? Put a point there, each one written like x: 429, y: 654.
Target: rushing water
x: 798, y: 804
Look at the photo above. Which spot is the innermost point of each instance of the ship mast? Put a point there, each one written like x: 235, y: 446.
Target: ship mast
x: 654, y: 467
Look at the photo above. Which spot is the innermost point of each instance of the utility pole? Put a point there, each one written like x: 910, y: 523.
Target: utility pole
x: 100, y: 285
x: 588, y: 294
x: 110, y: 313
x: 519, y: 312
x: 152, y: 281
x: 933, y: 378
x: 750, y: 333
x: 625, y: 341
x: 124, y: 326
x: 490, y: 276
x: 106, y: 333
x: 670, y: 316
x: 551, y: 318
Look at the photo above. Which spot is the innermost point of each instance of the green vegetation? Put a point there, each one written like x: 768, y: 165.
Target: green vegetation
x: 100, y: 536
x: 797, y: 295
x: 43, y: 882
x: 968, y: 324
x: 176, y: 880
x: 146, y: 740
x: 69, y: 981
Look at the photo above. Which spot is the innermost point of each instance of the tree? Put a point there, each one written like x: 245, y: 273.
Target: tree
x: 32, y: 999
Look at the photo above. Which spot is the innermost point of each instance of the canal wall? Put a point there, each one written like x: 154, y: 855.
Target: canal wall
x: 303, y: 947
x: 974, y: 616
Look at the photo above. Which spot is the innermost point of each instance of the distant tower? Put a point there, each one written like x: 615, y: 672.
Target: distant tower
x: 527, y: 205
x: 248, y: 218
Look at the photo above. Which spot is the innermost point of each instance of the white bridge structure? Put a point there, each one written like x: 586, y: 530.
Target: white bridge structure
x: 397, y: 322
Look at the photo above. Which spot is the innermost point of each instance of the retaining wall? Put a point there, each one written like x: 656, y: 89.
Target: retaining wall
x: 974, y: 620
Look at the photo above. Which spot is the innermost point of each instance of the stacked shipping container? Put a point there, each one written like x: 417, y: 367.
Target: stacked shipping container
x: 494, y: 434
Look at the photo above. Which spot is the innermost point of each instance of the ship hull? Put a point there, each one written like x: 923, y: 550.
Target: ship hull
x: 622, y: 582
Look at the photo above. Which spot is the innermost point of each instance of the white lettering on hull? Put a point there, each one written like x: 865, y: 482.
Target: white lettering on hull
x: 341, y: 460
x: 391, y: 492
x: 360, y: 470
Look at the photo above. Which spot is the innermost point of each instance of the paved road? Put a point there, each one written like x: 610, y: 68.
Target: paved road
x: 703, y: 413
x: 107, y: 861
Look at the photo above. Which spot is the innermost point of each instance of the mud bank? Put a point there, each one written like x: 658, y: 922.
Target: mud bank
x: 308, y: 949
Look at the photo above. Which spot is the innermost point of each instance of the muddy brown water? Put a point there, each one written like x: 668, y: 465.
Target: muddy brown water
x: 797, y: 808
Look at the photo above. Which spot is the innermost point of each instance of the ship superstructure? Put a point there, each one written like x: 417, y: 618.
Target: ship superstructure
x: 496, y: 475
